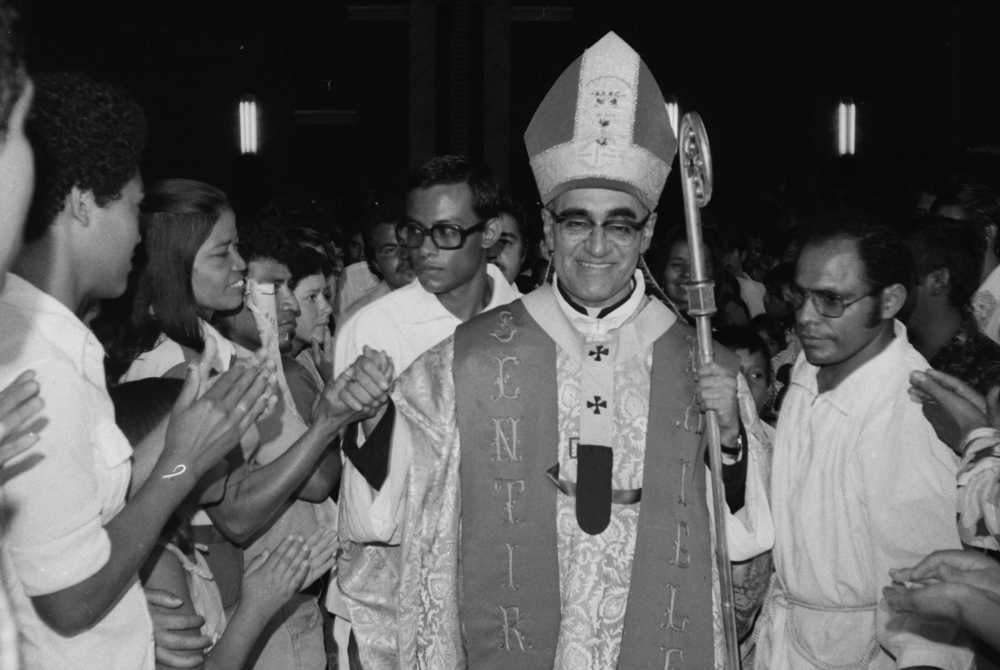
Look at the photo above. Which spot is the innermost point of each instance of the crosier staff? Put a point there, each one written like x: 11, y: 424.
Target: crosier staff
x: 696, y: 182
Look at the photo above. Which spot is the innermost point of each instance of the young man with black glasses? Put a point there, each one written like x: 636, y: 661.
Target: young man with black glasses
x: 860, y: 483
x: 452, y: 210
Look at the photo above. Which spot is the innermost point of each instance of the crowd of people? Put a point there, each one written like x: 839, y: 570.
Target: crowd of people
x: 463, y: 437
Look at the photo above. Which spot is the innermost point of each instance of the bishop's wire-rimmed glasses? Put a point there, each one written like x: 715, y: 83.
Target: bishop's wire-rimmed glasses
x: 619, y: 230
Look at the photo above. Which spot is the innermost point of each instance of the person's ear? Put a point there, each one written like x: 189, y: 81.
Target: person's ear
x: 647, y: 233
x: 939, y: 282
x: 81, y: 205
x: 491, y: 233
x: 893, y: 299
x: 990, y: 233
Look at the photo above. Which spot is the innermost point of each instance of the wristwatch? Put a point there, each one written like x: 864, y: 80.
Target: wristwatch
x: 736, y: 449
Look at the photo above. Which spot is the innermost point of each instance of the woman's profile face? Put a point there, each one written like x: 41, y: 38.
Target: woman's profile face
x: 217, y: 276
x: 315, y: 309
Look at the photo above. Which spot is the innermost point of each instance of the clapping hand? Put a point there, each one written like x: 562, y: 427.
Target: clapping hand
x: 322, y: 355
x: 323, y: 545
x: 272, y: 577
x: 19, y: 404
x: 204, y: 427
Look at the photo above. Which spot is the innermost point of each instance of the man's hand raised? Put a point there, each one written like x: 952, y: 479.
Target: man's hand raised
x: 953, y: 407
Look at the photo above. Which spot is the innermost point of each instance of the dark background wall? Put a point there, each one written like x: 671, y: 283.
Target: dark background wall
x: 765, y: 76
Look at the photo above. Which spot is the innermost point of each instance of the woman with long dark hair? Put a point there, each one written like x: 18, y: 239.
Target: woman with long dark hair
x: 189, y: 268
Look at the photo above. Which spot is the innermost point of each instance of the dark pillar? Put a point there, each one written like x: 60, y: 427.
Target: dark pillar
x: 422, y: 82
x: 496, y: 92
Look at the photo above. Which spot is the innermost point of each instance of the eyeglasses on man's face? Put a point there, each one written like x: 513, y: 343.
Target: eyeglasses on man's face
x: 619, y: 230
x: 446, y: 236
x: 826, y: 303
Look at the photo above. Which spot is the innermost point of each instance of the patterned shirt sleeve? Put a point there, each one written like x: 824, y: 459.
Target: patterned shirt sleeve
x: 979, y: 490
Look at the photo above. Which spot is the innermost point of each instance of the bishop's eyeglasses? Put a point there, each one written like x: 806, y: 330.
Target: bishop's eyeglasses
x: 446, y: 236
x: 619, y: 230
x: 826, y: 303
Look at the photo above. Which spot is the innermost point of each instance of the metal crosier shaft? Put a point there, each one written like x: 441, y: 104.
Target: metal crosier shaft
x: 696, y: 180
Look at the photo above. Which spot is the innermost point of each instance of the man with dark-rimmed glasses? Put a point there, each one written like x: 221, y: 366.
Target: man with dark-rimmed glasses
x: 451, y: 219
x: 860, y: 483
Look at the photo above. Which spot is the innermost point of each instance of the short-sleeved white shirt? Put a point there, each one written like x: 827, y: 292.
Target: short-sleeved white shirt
x: 68, y: 487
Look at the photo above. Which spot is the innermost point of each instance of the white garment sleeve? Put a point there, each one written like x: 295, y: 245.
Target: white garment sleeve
x: 370, y: 515
x: 367, y: 515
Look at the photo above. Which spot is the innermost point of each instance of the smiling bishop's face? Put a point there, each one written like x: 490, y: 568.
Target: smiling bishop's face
x: 596, y: 270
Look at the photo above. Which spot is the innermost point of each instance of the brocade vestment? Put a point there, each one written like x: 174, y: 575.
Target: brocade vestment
x: 403, y: 324
x: 594, y: 570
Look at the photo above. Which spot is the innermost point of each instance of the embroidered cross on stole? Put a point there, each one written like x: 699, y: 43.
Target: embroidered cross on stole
x: 506, y: 391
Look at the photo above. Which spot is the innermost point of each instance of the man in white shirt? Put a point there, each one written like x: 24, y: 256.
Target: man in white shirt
x: 451, y: 220
x: 392, y: 260
x: 860, y: 482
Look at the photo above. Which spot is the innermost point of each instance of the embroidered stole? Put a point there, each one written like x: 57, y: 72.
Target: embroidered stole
x: 506, y: 393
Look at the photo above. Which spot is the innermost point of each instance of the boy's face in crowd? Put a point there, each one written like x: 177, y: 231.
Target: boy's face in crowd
x: 678, y: 271
x: 315, y: 309
x: 392, y: 260
x: 508, y: 253
x: 773, y: 346
x: 444, y: 270
x: 753, y: 366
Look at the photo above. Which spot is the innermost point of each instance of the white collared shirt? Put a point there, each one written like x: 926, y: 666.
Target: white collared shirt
x: 74, y: 481
x: 403, y: 324
x: 860, y: 484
